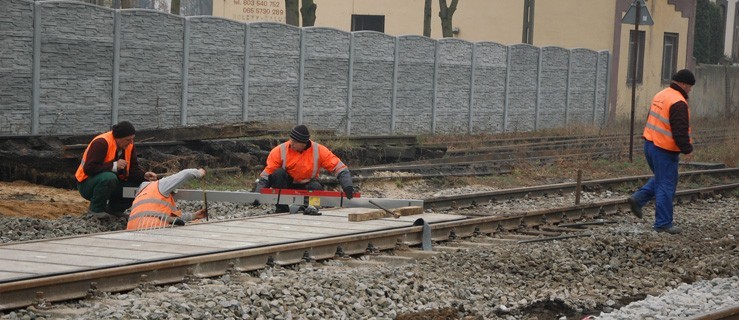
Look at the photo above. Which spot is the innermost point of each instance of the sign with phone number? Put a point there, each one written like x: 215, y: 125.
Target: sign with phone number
x: 257, y: 10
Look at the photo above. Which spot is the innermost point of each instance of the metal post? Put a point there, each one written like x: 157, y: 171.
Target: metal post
x: 116, y: 67
x: 349, y: 81
x: 394, y: 99
x: 185, y: 67
x: 472, y: 89
x: 245, y: 95
x: 36, y: 68
x: 578, y: 188
x: 634, y: 58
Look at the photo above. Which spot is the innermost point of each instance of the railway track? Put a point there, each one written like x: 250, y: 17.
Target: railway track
x: 730, y: 313
x: 62, y: 285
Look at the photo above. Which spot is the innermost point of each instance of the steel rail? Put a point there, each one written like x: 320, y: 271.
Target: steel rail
x: 61, y: 287
x: 469, y: 200
x: 729, y: 313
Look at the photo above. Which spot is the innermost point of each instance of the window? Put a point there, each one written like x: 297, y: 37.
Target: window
x: 640, y: 60
x: 367, y: 22
x: 669, y: 56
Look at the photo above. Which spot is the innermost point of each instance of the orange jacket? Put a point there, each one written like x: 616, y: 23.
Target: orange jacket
x: 302, y: 166
x: 109, y: 156
x: 151, y: 209
x: 658, y: 129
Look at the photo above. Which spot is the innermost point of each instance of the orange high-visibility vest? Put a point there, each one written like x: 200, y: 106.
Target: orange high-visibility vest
x: 302, y: 166
x: 658, y: 129
x: 151, y: 209
x: 109, y: 156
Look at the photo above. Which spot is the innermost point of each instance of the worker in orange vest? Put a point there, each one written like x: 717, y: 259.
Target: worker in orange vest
x: 295, y: 164
x: 108, y: 164
x: 666, y: 136
x: 154, y: 205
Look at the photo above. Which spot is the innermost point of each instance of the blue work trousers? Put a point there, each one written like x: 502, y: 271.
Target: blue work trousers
x: 662, y: 186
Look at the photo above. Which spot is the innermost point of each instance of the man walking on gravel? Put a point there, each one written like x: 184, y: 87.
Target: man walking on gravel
x: 109, y: 164
x: 666, y: 135
x: 154, y: 205
x: 295, y: 164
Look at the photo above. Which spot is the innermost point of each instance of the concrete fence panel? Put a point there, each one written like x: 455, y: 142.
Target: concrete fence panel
x: 553, y: 87
x: 453, y: 86
x: 325, y: 78
x: 490, y: 70
x: 16, y: 67
x: 274, y: 72
x: 215, y: 71
x: 523, y: 77
x: 372, y: 83
x: 582, y: 86
x: 415, y: 92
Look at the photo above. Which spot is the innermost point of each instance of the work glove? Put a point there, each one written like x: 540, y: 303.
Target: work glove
x: 349, y: 190
x: 178, y: 222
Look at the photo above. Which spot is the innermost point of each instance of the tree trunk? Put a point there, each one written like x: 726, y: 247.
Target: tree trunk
x: 175, y: 10
x: 446, y: 13
x: 427, y: 18
x: 308, y: 11
x: 128, y: 4
x: 292, y: 13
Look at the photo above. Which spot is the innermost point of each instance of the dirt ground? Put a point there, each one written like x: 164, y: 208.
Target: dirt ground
x: 23, y: 199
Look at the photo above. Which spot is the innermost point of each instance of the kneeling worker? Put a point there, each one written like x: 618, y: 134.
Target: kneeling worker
x: 109, y: 164
x: 295, y: 164
x: 154, y: 205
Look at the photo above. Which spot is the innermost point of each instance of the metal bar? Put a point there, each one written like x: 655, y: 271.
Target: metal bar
x: 36, y: 102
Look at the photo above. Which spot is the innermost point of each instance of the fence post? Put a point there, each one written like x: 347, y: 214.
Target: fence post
x: 36, y: 95
x: 116, y: 67
x: 472, y: 88
x: 433, y: 87
x: 349, y: 84
x: 507, y: 86
x: 185, y: 67
x: 595, y: 87
x: 245, y: 94
x: 538, y: 90
x: 301, y: 75
x: 569, y: 85
x: 394, y: 98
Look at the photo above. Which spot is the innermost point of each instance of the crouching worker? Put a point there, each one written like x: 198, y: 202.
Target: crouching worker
x: 154, y: 205
x: 295, y: 164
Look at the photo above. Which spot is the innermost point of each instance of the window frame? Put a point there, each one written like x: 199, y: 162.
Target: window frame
x: 673, y: 52
x: 640, y: 60
x: 364, y: 25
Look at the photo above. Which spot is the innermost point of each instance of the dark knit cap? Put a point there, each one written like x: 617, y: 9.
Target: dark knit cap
x: 123, y: 129
x: 300, y: 134
x: 684, y: 76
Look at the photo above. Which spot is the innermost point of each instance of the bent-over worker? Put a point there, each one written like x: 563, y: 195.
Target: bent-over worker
x: 295, y: 164
x: 154, y: 205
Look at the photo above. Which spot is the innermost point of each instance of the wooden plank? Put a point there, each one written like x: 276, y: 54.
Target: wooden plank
x: 167, y: 236
x: 242, y: 236
x: 51, y: 247
x: 36, y: 267
x: 250, y: 233
x: 321, y: 228
x: 61, y: 258
x: 177, y: 249
x: 10, y: 275
x: 374, y: 214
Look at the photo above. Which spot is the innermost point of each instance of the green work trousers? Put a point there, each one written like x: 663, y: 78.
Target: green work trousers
x: 105, y: 192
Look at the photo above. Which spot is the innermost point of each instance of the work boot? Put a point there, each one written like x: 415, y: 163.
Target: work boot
x: 93, y: 214
x: 116, y: 213
x: 670, y: 230
x: 635, y: 208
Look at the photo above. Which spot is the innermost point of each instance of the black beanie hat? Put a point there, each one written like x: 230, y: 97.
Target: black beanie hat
x: 684, y: 76
x: 300, y: 134
x: 123, y: 129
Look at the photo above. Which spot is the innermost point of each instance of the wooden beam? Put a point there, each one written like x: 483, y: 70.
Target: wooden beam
x: 373, y: 214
